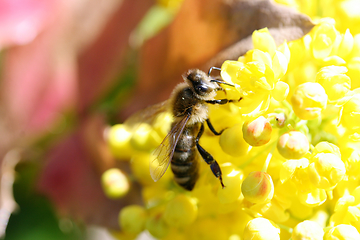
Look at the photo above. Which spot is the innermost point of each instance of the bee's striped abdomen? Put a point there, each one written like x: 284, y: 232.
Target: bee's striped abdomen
x: 184, y: 163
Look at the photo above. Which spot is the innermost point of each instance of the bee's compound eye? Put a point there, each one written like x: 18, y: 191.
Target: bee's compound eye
x: 201, y: 89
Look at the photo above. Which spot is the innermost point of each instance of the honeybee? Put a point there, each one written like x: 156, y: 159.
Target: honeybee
x: 188, y: 105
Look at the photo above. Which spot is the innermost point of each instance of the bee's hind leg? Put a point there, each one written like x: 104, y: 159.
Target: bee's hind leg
x: 214, y: 166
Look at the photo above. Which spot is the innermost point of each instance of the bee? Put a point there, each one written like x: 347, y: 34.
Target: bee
x: 188, y: 104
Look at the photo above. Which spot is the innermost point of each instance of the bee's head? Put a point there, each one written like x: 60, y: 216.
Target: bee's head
x: 200, y: 82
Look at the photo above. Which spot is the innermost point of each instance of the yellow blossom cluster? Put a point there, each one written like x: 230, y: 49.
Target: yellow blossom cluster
x: 289, y: 155
x: 346, y: 13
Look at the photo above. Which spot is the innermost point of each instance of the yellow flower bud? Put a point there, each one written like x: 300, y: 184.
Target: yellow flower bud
x: 261, y: 229
x: 140, y: 168
x: 258, y: 187
x: 145, y: 138
x: 307, y: 230
x: 280, y: 119
x: 132, y: 219
x: 334, y: 81
x: 342, y: 232
x: 232, y: 141
x: 257, y: 132
x: 350, y: 117
x: 326, y: 170
x: 156, y: 226
x: 114, y: 183
x: 293, y: 145
x: 119, y: 141
x: 162, y: 123
x: 180, y: 211
x: 308, y: 100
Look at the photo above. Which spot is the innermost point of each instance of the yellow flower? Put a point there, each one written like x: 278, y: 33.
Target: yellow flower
x: 258, y: 72
x: 334, y: 81
x: 352, y: 161
x: 280, y: 91
x: 309, y: 100
x: 323, y: 41
x: 290, y: 168
x: 350, y: 116
x: 263, y: 41
x: 346, y: 45
x: 326, y: 170
x: 347, y: 210
x: 326, y: 147
x: 308, y: 92
x: 261, y: 229
x: 312, y: 196
x: 342, y: 232
x: 307, y: 230
x: 297, y: 171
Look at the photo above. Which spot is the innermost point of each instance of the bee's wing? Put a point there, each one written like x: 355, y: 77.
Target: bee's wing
x: 164, y: 153
x: 147, y: 115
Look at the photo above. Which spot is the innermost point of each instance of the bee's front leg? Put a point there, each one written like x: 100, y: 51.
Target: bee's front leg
x: 223, y: 101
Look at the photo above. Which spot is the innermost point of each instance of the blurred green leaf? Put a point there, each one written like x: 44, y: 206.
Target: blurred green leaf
x: 35, y: 218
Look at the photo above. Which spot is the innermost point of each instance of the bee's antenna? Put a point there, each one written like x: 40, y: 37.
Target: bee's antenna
x: 221, y: 82
x: 216, y: 80
x: 210, y: 70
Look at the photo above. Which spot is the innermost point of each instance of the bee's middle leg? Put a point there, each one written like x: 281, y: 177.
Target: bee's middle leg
x: 214, y: 166
x: 211, y: 127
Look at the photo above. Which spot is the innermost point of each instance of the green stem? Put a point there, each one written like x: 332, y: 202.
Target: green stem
x: 268, y: 158
x: 287, y: 105
x: 245, y: 164
x: 289, y: 229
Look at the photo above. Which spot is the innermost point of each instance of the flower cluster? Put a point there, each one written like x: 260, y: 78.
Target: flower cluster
x: 289, y: 155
